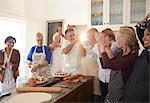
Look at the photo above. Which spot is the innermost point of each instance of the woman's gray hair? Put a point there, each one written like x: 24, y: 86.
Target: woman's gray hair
x: 39, y: 34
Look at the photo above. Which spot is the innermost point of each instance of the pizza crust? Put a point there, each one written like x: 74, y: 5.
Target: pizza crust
x: 31, y: 97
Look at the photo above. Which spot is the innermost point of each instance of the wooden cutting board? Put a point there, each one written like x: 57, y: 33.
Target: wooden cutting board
x: 40, y: 89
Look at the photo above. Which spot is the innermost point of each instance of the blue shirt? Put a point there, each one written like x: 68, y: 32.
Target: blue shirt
x: 39, y: 49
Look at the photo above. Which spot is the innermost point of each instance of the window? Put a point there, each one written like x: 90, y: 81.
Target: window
x: 15, y: 28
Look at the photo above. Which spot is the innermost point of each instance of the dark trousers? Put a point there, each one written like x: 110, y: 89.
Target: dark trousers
x: 104, y: 90
x: 96, y: 99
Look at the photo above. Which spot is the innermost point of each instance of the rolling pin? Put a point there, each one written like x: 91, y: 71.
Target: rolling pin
x: 39, y: 89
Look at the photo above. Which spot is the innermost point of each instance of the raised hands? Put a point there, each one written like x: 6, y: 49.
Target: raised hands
x: 104, y: 42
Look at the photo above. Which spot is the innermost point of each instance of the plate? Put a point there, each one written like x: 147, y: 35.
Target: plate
x: 31, y: 97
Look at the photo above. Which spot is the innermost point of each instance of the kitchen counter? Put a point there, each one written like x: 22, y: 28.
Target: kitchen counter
x: 72, y: 92
x: 75, y: 92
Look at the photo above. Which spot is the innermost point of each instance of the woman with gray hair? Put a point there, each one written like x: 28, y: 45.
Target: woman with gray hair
x: 39, y: 57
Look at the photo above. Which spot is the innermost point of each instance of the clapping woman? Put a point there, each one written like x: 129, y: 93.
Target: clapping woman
x: 9, y: 63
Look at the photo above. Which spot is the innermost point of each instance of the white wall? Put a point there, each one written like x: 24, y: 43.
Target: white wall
x: 32, y: 12
x: 35, y: 12
x: 12, y: 7
x: 36, y: 9
x: 72, y: 11
x: 38, y: 12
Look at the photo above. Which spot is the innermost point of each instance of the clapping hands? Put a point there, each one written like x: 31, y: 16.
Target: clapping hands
x: 104, y: 42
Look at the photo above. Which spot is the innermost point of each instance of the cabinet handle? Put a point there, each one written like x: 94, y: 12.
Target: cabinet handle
x: 104, y: 23
x: 107, y: 23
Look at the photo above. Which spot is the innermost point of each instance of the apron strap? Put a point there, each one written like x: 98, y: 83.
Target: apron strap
x: 43, y: 49
x: 35, y: 49
x: 10, y: 55
x: 7, y: 59
x: 34, y: 52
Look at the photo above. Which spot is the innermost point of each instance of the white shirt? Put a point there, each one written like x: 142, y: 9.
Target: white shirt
x: 73, y: 61
x: 104, y: 74
x: 57, y: 56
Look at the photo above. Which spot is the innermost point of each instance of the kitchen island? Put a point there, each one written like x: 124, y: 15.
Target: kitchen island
x: 72, y: 92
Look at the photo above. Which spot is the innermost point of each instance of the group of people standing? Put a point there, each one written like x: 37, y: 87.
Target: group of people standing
x: 120, y: 74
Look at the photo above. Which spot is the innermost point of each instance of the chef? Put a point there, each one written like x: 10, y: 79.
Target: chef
x: 39, y: 58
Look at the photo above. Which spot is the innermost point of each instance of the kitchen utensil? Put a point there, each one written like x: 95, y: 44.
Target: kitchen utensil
x: 39, y: 89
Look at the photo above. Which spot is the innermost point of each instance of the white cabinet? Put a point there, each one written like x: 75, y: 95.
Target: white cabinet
x: 116, y: 13
x: 136, y: 10
x: 105, y: 13
x: 97, y: 12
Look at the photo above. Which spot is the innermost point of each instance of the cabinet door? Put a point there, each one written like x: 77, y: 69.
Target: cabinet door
x: 115, y: 12
x: 137, y: 10
x: 97, y: 12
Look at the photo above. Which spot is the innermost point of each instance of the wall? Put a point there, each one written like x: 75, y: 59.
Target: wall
x: 35, y: 12
x: 32, y: 12
x: 12, y: 7
x: 72, y: 11
x: 38, y: 12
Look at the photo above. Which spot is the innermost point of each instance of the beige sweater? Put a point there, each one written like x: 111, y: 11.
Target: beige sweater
x: 92, y: 70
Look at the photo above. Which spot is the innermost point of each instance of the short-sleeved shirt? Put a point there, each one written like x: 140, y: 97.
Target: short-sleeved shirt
x: 73, y: 59
x: 39, y: 49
